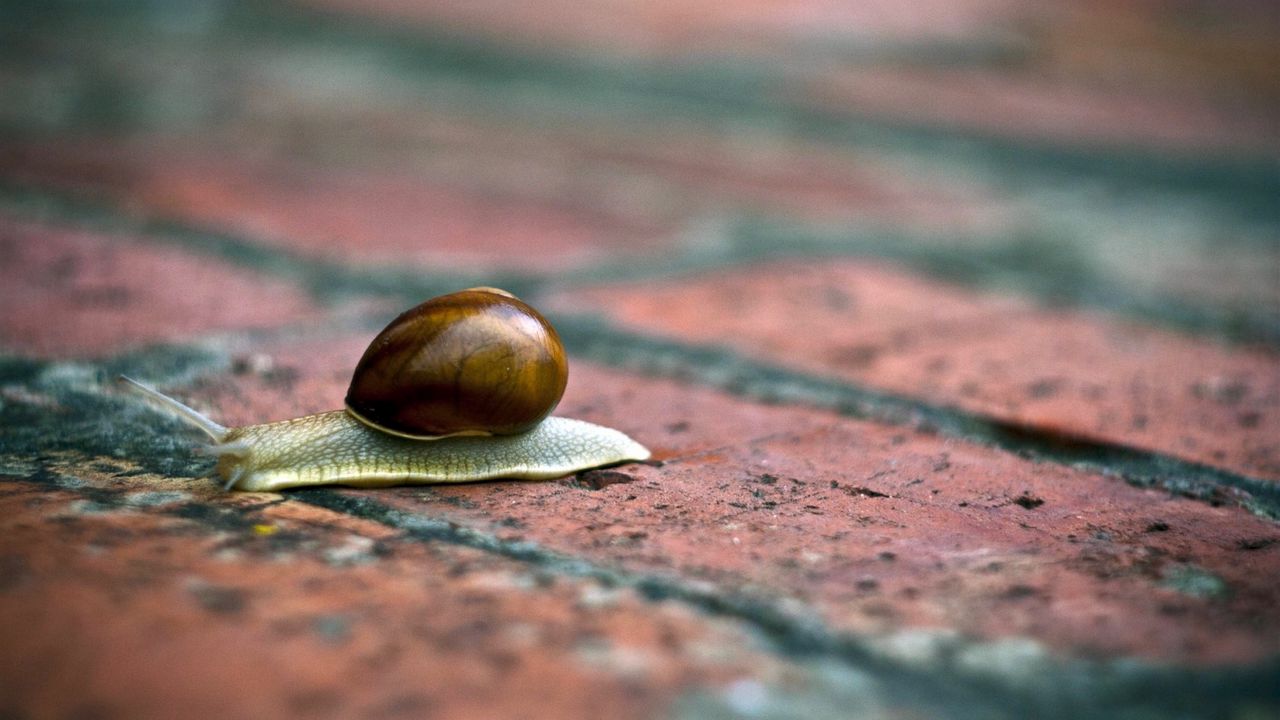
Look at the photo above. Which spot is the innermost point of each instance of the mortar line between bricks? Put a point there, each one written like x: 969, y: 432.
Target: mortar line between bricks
x: 986, y: 269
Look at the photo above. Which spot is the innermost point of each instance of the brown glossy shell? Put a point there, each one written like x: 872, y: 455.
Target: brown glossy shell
x: 478, y: 361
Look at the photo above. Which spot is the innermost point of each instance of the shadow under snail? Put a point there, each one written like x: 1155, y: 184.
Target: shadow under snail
x: 456, y: 389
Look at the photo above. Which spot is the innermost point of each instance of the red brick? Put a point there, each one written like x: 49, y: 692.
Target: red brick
x: 1078, y: 572
x: 291, y: 611
x: 1227, y: 50
x: 73, y: 293
x: 681, y: 173
x: 1187, y: 81
x: 1068, y: 372
x: 705, y: 173
x: 476, y: 193
x: 878, y: 529
x: 1026, y: 107
x: 126, y: 595
x: 357, y: 216
x: 691, y: 29
x: 276, y: 381
x: 1120, y: 74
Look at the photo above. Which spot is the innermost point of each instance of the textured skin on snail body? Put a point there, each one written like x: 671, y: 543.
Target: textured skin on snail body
x: 341, y: 448
x: 334, y: 449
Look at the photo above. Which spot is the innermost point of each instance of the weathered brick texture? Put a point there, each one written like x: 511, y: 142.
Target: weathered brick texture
x: 954, y: 329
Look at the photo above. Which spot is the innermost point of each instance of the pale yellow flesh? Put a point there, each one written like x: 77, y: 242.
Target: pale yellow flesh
x: 335, y: 449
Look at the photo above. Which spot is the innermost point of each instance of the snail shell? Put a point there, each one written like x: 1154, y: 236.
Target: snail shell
x: 476, y: 362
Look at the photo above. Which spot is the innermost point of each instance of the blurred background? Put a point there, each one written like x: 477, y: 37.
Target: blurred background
x: 1116, y: 155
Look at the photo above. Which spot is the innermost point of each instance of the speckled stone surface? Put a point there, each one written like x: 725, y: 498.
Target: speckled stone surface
x: 1079, y: 375
x: 953, y: 328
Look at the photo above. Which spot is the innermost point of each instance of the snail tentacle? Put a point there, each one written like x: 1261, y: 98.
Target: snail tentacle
x: 193, y: 417
x: 237, y: 447
x: 234, y: 478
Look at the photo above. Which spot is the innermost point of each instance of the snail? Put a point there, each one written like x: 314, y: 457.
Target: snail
x: 457, y: 389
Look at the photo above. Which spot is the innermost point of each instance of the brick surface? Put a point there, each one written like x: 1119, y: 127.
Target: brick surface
x: 1224, y: 52
x: 71, y: 293
x: 1020, y: 106
x: 880, y: 529
x: 466, y: 193
x: 358, y: 217
x: 1062, y: 372
x: 953, y: 329
x: 285, y: 610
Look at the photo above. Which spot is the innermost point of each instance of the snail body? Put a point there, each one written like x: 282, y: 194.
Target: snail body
x: 481, y: 385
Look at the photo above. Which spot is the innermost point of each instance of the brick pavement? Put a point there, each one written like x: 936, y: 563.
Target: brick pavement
x: 957, y: 348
